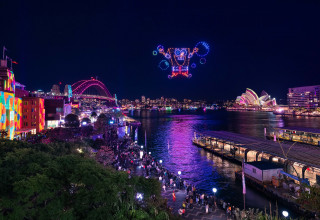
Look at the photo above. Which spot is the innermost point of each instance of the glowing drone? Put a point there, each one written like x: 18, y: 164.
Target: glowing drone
x: 179, y: 58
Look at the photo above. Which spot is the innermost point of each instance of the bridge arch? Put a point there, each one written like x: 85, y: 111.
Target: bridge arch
x: 81, y: 86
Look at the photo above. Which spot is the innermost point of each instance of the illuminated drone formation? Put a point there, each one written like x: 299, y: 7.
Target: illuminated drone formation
x: 179, y: 58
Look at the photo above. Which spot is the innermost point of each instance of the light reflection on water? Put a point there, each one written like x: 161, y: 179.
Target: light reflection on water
x: 169, y: 139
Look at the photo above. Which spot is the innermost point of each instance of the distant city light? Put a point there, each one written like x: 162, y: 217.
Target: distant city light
x: 179, y: 173
x: 160, y: 161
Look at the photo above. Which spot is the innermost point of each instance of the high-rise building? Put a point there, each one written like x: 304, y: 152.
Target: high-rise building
x: 307, y: 97
x: 55, y: 90
x: 143, y: 99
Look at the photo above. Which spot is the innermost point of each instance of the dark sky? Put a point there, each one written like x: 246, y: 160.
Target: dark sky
x: 262, y: 45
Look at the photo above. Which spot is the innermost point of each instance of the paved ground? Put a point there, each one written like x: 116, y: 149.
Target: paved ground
x: 197, y: 212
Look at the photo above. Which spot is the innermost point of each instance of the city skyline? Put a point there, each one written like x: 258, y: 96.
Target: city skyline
x: 253, y: 45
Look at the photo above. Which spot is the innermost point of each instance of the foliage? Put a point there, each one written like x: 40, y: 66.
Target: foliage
x: 310, y: 200
x: 105, y: 155
x: 86, y: 131
x: 101, y: 124
x: 52, y: 181
x: 72, y: 120
x: 3, y: 133
x: 86, y: 120
x: 93, y: 114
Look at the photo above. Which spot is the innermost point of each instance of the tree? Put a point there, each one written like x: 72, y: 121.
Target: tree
x: 86, y: 131
x: 310, y: 199
x: 72, y: 120
x: 94, y: 114
x: 101, y: 123
x: 85, y: 121
x: 3, y: 133
x: 41, y: 180
x: 105, y: 155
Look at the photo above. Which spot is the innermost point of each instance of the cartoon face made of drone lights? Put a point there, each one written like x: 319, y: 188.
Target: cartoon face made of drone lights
x: 179, y: 58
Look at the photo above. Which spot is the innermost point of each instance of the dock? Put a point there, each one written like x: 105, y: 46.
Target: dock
x: 299, y: 159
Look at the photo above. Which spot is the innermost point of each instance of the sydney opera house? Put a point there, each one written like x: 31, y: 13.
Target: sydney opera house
x: 251, y: 99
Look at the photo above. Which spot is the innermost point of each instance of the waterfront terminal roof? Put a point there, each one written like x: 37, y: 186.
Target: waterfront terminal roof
x: 264, y: 165
x: 305, y: 154
x: 303, y: 129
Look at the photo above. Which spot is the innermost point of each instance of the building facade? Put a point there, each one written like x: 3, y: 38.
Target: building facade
x: 307, y: 97
x: 33, y: 113
x: 10, y: 105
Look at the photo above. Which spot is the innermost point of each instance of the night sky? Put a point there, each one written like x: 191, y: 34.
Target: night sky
x: 262, y: 45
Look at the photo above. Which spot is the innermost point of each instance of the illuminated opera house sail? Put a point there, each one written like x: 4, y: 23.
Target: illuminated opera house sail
x: 251, y: 99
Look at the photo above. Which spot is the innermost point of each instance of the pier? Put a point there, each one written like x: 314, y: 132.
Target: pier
x: 299, y: 159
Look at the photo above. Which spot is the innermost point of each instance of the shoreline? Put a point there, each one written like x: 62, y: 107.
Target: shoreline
x: 266, y: 190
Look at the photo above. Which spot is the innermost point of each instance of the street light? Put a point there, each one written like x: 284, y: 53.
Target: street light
x: 139, y: 196
x: 179, y: 173
x: 160, y: 161
x: 141, y: 154
x: 149, y: 153
x: 214, y: 190
x: 141, y: 146
x: 285, y: 214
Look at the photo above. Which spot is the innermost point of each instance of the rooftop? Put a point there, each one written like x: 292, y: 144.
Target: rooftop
x: 301, y: 153
x: 304, y: 129
x: 264, y: 165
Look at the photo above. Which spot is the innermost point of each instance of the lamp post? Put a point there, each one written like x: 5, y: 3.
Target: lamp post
x: 285, y: 214
x: 214, y: 190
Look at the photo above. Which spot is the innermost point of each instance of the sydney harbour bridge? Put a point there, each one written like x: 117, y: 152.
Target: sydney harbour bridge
x: 91, y: 89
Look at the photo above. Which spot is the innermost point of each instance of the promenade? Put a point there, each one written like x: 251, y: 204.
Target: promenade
x: 129, y: 160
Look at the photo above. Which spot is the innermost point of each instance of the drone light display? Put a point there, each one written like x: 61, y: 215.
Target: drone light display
x: 179, y: 58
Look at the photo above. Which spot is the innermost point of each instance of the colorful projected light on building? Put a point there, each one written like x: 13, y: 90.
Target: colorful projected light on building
x: 179, y: 58
x: 10, y: 111
x: 9, y: 84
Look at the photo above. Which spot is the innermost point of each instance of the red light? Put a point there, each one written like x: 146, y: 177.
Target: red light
x: 308, y: 168
x: 59, y: 83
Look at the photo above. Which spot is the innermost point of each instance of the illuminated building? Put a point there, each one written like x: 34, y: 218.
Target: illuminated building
x: 33, y: 113
x: 307, y: 97
x: 143, y: 99
x: 10, y: 106
x: 251, y: 99
x: 10, y: 112
x: 55, y: 90
x: 55, y: 111
x: 20, y: 90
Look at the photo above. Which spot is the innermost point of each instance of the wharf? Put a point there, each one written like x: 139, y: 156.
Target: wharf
x: 279, y: 194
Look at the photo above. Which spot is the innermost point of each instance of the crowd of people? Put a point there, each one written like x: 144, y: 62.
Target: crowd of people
x: 134, y: 160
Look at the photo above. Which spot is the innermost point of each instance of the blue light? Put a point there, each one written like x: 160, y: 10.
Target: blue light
x: 203, y: 60
x: 164, y: 65
x: 203, y: 49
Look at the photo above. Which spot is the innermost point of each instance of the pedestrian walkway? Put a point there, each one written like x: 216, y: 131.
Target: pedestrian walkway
x: 198, y: 212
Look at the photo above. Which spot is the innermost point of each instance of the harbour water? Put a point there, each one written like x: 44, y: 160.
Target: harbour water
x: 169, y: 138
